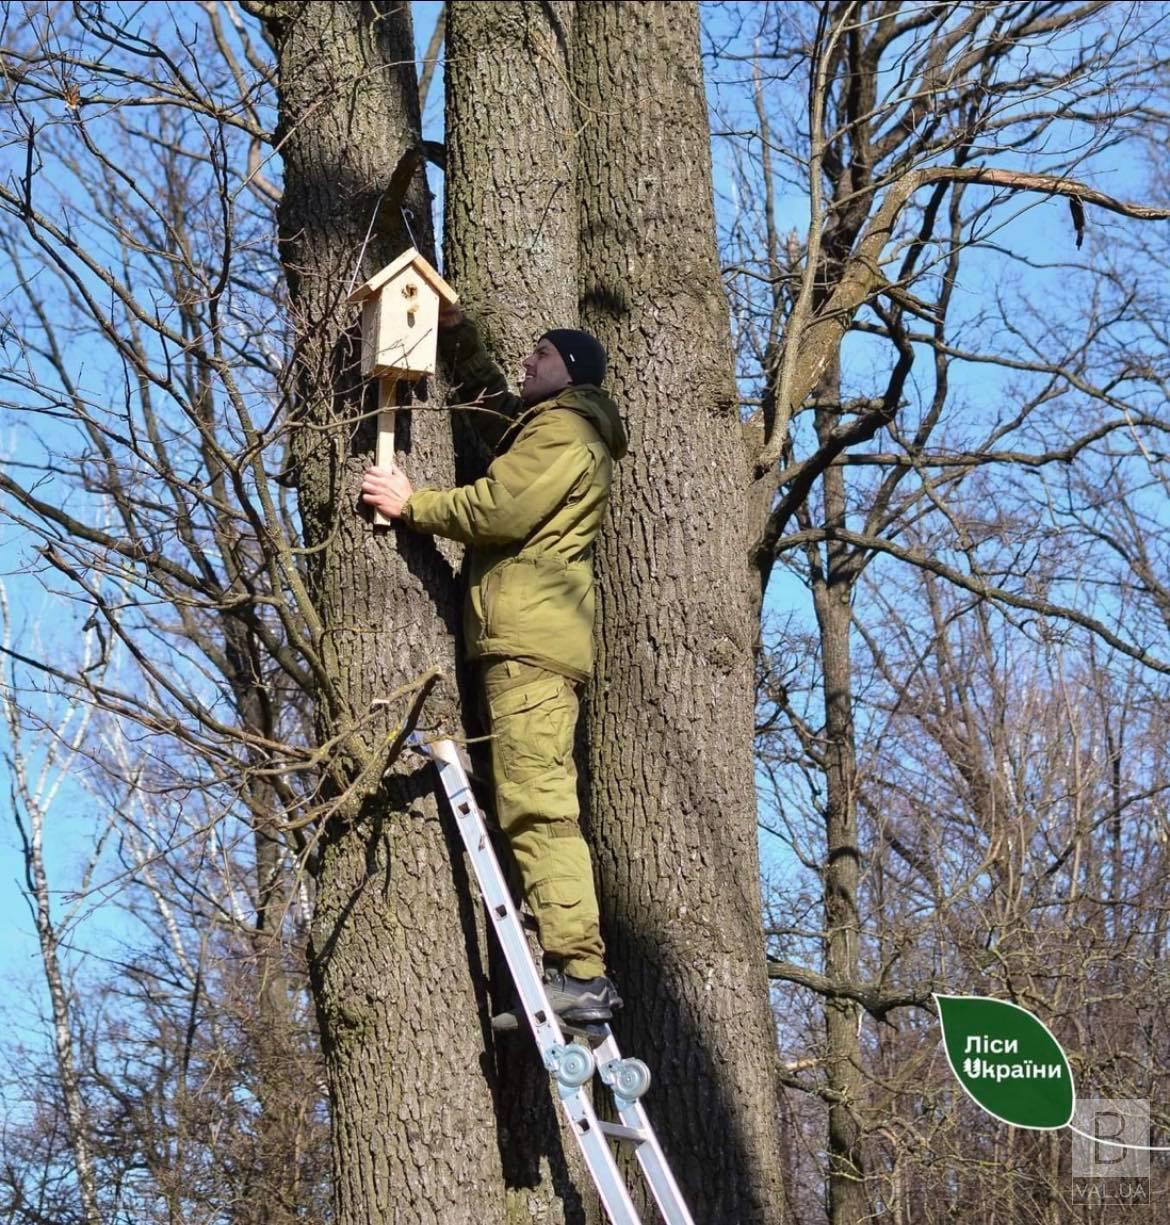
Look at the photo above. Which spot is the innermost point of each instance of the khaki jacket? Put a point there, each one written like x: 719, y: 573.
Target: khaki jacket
x: 530, y: 522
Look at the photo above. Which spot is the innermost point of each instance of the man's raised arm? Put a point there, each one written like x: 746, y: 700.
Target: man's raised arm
x: 475, y: 378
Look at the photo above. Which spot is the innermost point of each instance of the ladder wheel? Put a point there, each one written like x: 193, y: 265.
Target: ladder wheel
x: 631, y: 1079
x: 576, y: 1066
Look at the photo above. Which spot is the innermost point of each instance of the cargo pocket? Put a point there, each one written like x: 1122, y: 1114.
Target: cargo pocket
x: 566, y: 893
x: 504, y: 592
x: 532, y: 727
x: 566, y: 914
x: 487, y: 604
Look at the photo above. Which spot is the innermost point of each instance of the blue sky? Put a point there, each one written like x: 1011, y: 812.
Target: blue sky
x: 40, y: 617
x: 1042, y: 224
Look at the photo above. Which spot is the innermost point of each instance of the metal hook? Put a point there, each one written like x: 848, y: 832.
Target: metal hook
x: 407, y: 218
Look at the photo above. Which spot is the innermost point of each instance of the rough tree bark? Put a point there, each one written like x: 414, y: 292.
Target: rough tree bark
x: 393, y: 934
x: 510, y: 235
x: 510, y: 239
x: 673, y: 802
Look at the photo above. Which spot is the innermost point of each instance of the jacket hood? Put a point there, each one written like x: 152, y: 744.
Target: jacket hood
x: 596, y: 407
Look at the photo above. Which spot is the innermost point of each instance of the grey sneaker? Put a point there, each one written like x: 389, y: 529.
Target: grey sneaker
x: 577, y: 1001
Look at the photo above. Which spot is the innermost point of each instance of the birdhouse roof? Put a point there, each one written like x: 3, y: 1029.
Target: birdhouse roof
x: 409, y: 258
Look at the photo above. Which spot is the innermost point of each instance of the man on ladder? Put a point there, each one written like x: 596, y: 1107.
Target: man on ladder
x: 530, y: 523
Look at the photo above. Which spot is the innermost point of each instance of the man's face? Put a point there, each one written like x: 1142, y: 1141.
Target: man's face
x: 545, y: 373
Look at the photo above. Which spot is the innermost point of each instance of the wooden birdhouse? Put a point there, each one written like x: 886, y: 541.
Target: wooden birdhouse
x: 400, y: 318
x: 400, y: 331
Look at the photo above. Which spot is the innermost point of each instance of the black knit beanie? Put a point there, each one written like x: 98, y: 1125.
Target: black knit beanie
x: 583, y: 356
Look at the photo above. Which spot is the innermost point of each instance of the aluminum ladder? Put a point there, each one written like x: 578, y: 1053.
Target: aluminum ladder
x: 572, y: 1064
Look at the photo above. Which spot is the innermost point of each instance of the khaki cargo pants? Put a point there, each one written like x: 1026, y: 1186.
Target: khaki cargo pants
x: 533, y: 714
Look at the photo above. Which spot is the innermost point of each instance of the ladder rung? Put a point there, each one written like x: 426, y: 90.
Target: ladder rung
x: 617, y: 1131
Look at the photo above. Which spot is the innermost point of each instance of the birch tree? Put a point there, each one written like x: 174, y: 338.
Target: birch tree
x: 36, y: 781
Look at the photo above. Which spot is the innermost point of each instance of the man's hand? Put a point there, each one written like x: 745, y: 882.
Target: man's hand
x: 386, y: 490
x: 450, y: 315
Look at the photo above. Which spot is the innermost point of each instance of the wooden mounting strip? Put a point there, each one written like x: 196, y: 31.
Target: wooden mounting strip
x: 384, y: 455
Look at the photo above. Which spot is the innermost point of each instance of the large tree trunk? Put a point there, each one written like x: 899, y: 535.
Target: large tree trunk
x: 510, y: 238
x: 673, y: 801
x: 393, y: 939
x: 510, y: 235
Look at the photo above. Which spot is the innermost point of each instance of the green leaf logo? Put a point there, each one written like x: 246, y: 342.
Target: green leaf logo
x: 1007, y: 1061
